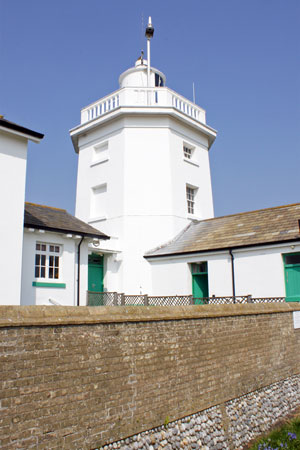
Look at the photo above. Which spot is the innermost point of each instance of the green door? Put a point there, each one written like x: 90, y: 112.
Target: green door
x: 95, y: 273
x: 292, y: 277
x: 200, y: 282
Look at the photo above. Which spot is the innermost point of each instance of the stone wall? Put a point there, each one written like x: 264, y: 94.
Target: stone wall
x: 82, y: 378
x: 222, y: 427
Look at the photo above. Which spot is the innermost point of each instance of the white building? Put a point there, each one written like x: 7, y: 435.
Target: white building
x: 144, y: 177
x: 13, y: 159
x: 56, y: 257
x: 142, y: 151
x: 144, y: 180
x: 254, y: 253
x: 44, y: 253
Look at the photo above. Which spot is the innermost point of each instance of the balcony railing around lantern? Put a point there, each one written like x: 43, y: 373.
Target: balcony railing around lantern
x: 142, y: 97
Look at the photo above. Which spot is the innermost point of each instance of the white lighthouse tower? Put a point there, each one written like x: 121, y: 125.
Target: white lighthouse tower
x: 143, y: 171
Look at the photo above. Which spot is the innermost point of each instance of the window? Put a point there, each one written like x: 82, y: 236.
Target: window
x: 199, y: 267
x: 292, y: 259
x: 187, y: 151
x: 98, y: 201
x: 100, y: 153
x: 159, y: 82
x: 47, y: 261
x: 190, y: 197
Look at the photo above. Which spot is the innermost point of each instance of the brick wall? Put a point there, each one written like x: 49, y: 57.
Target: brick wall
x: 83, y: 377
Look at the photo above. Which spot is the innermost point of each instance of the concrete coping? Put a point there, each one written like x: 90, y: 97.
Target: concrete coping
x: 20, y: 316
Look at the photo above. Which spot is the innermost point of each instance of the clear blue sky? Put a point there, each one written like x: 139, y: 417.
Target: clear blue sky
x: 60, y: 55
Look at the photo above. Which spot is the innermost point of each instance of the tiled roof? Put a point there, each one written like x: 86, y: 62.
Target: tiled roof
x: 59, y: 220
x: 265, y: 226
x: 15, y: 127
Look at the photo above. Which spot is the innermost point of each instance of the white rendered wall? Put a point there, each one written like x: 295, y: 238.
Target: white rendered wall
x: 13, y: 158
x: 258, y: 272
x: 145, y: 176
x: 172, y: 276
x: 34, y: 295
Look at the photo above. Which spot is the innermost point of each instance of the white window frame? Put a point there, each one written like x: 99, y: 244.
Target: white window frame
x: 189, y: 153
x: 47, y: 254
x: 191, y: 194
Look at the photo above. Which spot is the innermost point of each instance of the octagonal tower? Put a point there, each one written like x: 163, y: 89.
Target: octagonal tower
x: 143, y: 172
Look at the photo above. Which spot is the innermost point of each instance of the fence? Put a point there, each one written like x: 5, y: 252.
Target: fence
x: 117, y: 299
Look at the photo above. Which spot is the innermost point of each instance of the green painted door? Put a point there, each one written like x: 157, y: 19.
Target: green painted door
x: 95, y: 273
x: 200, y: 281
x: 292, y: 277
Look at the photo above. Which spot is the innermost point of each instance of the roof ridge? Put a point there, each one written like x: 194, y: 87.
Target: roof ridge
x: 171, y: 240
x: 45, y: 206
x: 248, y: 212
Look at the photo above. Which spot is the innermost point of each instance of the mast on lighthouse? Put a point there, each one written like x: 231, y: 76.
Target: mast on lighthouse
x: 149, y: 35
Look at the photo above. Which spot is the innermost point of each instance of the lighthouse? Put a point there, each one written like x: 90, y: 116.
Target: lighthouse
x: 143, y: 173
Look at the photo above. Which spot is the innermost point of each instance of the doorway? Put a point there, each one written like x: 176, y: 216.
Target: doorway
x: 292, y: 276
x: 200, y: 281
x: 95, y: 273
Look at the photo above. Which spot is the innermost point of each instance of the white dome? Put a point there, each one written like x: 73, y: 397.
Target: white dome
x: 137, y: 76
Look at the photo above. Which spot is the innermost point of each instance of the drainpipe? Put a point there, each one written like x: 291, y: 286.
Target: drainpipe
x: 232, y: 274
x: 78, y: 271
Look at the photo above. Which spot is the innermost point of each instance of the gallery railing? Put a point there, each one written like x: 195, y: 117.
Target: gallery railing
x: 119, y: 299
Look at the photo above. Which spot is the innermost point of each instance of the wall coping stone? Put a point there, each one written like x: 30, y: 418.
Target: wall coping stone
x: 20, y: 316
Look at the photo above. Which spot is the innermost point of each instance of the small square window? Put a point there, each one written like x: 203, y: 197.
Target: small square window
x: 187, y: 152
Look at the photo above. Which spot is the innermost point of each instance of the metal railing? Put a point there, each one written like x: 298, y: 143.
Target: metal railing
x: 120, y: 299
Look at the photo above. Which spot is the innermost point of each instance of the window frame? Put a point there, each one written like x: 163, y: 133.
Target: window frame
x: 193, y: 153
x: 191, y: 203
x: 51, y: 255
x: 188, y: 151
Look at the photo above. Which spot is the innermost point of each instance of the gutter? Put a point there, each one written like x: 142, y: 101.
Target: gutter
x: 232, y: 274
x: 78, y: 270
x: 65, y: 231
x: 222, y: 249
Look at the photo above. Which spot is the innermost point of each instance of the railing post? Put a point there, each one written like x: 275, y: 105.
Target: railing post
x: 191, y: 299
x: 146, y: 301
x: 249, y: 299
x: 122, y: 299
x: 115, y: 299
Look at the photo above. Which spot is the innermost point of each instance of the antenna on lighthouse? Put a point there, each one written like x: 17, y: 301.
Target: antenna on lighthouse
x: 149, y: 35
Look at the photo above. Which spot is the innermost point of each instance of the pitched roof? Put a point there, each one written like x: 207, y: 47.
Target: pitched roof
x: 264, y: 226
x: 58, y: 220
x: 15, y: 127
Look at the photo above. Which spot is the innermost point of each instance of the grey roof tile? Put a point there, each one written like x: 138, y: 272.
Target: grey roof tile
x: 251, y: 228
x: 55, y: 219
